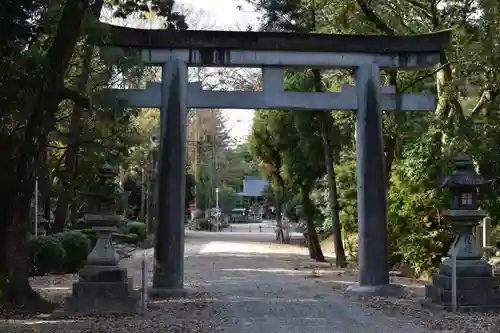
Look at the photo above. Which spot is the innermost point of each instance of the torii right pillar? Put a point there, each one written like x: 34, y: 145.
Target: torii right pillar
x: 371, y: 188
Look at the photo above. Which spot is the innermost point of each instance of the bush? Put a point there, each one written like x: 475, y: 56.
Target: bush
x: 91, y: 236
x: 46, y: 254
x: 138, y: 228
x: 76, y: 247
x: 417, y: 234
x: 126, y: 238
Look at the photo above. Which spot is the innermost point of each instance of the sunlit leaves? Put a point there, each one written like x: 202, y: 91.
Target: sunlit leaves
x: 161, y: 8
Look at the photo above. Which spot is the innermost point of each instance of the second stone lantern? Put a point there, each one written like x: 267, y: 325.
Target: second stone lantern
x: 476, y: 287
x: 103, y: 286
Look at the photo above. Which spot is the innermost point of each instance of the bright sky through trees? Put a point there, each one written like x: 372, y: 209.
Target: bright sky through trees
x: 224, y: 15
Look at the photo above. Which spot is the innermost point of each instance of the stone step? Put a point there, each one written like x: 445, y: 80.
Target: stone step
x: 90, y: 305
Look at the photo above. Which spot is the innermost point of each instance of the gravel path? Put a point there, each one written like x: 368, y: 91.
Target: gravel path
x: 243, y: 282
x: 267, y: 294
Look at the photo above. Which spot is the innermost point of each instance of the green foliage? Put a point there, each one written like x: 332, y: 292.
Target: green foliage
x: 55, y: 119
x: 418, y: 146
x: 91, y: 236
x: 161, y: 8
x: 131, y: 238
x: 417, y: 233
x: 137, y: 228
x: 63, y: 252
x: 46, y: 254
x: 76, y: 248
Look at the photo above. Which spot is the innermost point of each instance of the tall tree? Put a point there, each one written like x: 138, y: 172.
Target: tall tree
x: 266, y: 150
x: 301, y: 16
x: 301, y: 166
x: 294, y: 136
x: 49, y: 92
x: 41, y: 42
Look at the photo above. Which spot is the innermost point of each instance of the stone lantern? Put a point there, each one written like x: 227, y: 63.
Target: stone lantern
x: 476, y: 287
x: 101, y: 215
x: 103, y: 286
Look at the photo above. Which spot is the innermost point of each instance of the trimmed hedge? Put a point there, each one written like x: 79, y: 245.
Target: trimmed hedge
x: 46, y: 255
x: 65, y: 252
x: 126, y: 238
x: 76, y: 245
x: 91, y: 236
x: 138, y: 228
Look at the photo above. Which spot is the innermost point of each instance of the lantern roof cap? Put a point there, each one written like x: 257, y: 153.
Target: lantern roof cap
x: 464, y: 174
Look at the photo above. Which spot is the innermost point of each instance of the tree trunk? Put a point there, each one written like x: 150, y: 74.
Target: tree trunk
x: 15, y: 266
x: 7, y: 177
x: 326, y: 123
x: 333, y: 202
x: 310, y: 246
x: 397, y: 118
x: 68, y: 187
x: 66, y: 194
x: 313, y: 244
x: 45, y: 187
x: 279, y: 222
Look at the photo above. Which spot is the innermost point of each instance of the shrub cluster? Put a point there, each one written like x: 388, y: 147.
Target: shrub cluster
x: 65, y: 252
x: 137, y: 228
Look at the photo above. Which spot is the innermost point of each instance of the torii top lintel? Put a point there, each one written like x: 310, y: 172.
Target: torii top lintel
x: 275, y: 41
x: 256, y: 49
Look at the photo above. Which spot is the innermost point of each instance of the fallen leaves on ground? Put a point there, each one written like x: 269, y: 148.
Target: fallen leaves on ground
x: 189, y: 315
x: 198, y: 313
x: 433, y: 318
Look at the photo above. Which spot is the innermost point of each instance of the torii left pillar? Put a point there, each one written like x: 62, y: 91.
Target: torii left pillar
x: 168, y: 276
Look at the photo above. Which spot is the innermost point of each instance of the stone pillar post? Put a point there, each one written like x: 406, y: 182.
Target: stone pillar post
x: 371, y: 186
x: 169, y: 248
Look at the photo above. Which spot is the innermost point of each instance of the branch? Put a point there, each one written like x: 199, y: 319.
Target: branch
x: 374, y: 18
x: 487, y: 96
x: 424, y: 10
x: 56, y: 147
x: 78, y: 98
x: 411, y: 84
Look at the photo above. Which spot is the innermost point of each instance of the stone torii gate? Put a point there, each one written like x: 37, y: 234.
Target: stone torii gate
x: 273, y: 52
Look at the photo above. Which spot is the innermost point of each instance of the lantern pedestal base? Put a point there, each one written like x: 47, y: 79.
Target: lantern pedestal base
x: 100, y: 290
x: 472, y: 268
x: 477, y: 289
